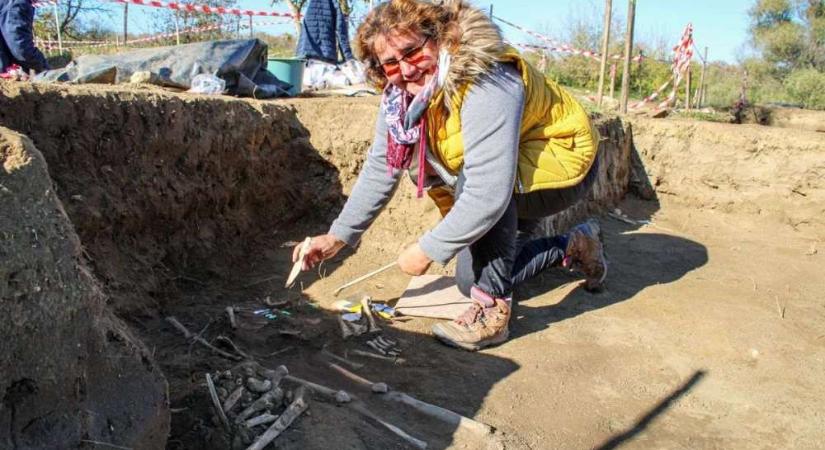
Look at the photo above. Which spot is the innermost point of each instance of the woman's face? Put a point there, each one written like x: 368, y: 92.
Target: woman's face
x: 408, y: 60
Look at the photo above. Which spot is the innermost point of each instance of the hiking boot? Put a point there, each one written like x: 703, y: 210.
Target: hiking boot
x: 585, y: 252
x: 485, y: 323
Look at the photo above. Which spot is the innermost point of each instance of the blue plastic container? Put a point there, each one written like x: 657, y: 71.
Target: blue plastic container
x: 290, y: 70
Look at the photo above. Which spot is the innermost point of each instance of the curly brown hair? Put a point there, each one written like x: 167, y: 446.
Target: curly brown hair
x: 402, y: 17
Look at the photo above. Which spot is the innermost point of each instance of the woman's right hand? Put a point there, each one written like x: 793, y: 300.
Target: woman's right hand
x: 321, y: 247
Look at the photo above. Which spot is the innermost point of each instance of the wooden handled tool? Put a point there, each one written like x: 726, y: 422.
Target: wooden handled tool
x: 362, y: 278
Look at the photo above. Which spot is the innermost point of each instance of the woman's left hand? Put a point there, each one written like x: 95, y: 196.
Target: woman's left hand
x: 413, y: 261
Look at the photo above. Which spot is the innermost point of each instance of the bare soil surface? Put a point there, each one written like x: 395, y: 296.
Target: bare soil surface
x: 786, y: 117
x: 710, y: 333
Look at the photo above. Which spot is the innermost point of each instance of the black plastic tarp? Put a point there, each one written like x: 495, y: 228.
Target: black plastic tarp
x: 241, y: 63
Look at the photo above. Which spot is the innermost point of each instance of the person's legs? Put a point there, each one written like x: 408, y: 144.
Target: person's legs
x: 489, y: 268
x: 6, y: 58
x: 484, y: 273
x: 487, y: 263
x: 580, y: 248
x: 17, y: 30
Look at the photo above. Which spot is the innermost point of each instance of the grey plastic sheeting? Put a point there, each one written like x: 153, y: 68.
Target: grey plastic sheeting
x: 241, y: 63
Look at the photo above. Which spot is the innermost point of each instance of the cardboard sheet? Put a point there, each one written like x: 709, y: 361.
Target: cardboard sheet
x: 434, y: 296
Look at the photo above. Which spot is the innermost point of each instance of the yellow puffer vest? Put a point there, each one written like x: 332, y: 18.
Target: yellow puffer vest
x: 557, y: 143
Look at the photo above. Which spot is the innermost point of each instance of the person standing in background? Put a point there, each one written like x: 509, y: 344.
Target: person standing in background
x: 17, y: 37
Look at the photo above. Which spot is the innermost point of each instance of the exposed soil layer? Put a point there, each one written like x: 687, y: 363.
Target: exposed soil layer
x: 71, y: 372
x: 158, y: 185
x: 786, y: 117
x: 772, y: 173
x: 186, y: 205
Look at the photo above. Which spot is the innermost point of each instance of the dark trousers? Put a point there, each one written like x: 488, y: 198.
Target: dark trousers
x: 508, y: 254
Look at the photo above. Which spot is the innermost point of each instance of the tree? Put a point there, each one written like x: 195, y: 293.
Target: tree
x: 776, y: 34
x: 76, y: 19
x: 813, y: 13
x: 789, y: 33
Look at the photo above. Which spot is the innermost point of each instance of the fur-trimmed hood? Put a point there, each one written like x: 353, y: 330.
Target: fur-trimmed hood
x: 480, y: 46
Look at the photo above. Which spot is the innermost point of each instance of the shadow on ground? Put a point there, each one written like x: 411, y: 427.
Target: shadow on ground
x: 644, y: 422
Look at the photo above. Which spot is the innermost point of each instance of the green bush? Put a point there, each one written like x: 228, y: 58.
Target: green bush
x: 807, y: 87
x: 723, y: 83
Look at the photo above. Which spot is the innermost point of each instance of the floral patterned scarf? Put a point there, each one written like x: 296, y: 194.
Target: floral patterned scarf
x: 406, y: 123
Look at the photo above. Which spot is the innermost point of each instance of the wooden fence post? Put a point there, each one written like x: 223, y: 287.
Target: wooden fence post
x: 125, y: 23
x: 612, y: 80
x: 177, y: 28
x: 699, y: 99
x: 687, y: 87
x: 628, y: 49
x: 57, y: 26
x: 608, y: 11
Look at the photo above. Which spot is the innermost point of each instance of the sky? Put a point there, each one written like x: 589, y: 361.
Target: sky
x: 720, y: 25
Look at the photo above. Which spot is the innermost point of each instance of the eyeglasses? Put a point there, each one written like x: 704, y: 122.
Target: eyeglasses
x: 412, y: 56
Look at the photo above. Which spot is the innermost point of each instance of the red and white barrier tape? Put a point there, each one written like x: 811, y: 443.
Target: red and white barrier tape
x: 652, y: 96
x: 49, y: 44
x: 45, y: 45
x: 186, y: 7
x: 267, y: 23
x: 682, y: 56
x: 205, y: 9
x: 593, y: 56
x: 44, y: 3
x: 70, y: 43
x: 556, y: 46
x: 161, y: 36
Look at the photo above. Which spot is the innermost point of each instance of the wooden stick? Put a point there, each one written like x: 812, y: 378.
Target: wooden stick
x: 295, y: 409
x: 608, y: 14
x: 628, y: 49
x: 188, y: 335
x: 362, y: 278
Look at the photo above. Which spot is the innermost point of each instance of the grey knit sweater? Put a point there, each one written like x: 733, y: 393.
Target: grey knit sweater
x: 490, y: 122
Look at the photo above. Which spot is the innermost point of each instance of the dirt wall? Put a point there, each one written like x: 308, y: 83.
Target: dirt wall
x: 785, y: 117
x: 773, y: 173
x: 70, y: 372
x: 163, y: 187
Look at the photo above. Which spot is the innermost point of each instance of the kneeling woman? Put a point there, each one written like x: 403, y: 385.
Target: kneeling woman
x: 493, y: 142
